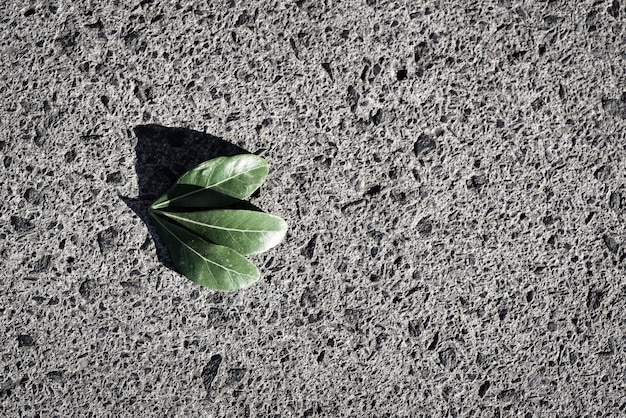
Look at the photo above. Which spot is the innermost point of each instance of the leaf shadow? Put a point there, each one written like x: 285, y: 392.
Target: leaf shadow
x: 163, y: 155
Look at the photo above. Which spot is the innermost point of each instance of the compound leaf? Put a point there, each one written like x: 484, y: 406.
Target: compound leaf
x: 245, y: 231
x: 214, y: 266
x: 237, y: 176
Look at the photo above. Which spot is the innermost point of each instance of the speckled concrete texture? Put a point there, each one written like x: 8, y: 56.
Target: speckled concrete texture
x: 453, y: 174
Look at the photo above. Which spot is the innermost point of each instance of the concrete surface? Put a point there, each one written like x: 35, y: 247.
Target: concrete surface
x: 453, y: 174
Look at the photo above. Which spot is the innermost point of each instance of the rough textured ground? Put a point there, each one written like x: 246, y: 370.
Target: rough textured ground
x: 453, y: 174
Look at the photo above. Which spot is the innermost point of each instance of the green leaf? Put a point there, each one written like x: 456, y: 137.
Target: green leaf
x: 191, y: 196
x: 237, y: 176
x: 214, y: 266
x: 245, y: 231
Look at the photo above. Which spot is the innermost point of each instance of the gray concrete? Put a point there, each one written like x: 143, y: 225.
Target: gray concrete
x: 453, y: 174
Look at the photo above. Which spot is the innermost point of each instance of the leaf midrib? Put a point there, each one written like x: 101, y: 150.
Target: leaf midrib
x: 171, y: 215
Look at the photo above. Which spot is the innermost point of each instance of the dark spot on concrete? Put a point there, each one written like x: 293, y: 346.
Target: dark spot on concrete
x: 402, y: 74
x: 399, y: 197
x: 70, y: 156
x: 508, y: 395
x: 115, y: 178
x: 482, y: 360
x: 424, y: 144
x: 517, y: 56
x: 610, y: 243
x: 476, y: 182
x: 21, y: 225
x: 244, y: 18
x: 416, y: 175
x: 614, y: 107
x: 381, y: 338
x: 6, y: 387
x: 364, y: 72
x: 353, y: 98
x: 32, y: 196
x: 594, y: 299
x: 376, y: 69
x: 68, y: 40
x: 210, y: 371
x: 434, y: 342
x: 312, y: 412
x: 483, y: 388
x: 421, y: 50
x: 42, y: 264
x: 56, y: 376
x: 308, y: 299
x: 448, y: 358
x: 99, y: 25
x: 602, y: 173
x: 329, y: 71
x: 87, y: 288
x: 377, y: 117
x: 39, y: 139
x: 235, y: 376
x: 502, y: 314
x: 107, y: 239
x: 25, y: 340
x: 615, y: 201
x: 613, y: 9
x: 374, y: 190
x: 309, y: 249
x: 537, y: 104
x: 425, y: 227
x: 415, y: 328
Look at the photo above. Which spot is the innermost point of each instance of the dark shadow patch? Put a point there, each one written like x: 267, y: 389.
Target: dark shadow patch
x: 163, y: 155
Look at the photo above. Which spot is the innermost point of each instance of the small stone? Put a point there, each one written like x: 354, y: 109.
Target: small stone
x: 424, y: 145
